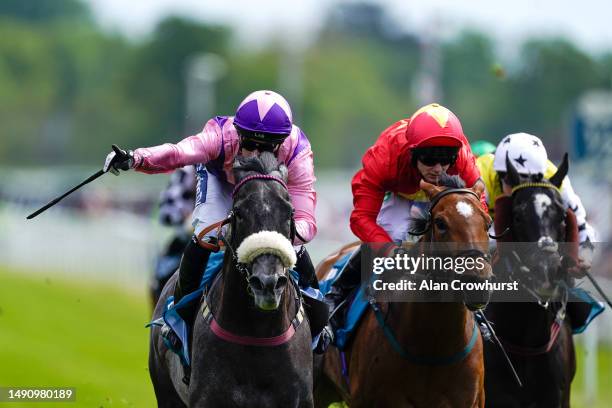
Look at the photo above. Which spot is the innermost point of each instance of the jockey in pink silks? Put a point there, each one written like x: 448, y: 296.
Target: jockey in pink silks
x: 263, y: 122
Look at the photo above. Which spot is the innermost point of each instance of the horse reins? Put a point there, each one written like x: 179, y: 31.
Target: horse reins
x: 215, y: 246
x: 555, y: 328
x: 272, y: 341
x: 244, y: 270
x: 439, y: 197
x: 388, y: 331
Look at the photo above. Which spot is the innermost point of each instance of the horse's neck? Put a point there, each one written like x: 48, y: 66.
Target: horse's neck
x: 442, y: 326
x: 521, y: 323
x: 237, y: 312
x: 432, y: 328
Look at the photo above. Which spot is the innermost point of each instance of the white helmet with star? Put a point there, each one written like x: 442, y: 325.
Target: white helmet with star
x: 526, y: 152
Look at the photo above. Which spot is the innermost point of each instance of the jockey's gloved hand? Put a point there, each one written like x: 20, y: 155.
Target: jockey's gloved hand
x: 585, y: 258
x: 117, y: 160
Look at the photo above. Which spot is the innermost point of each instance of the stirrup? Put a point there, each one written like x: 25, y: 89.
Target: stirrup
x: 172, y: 341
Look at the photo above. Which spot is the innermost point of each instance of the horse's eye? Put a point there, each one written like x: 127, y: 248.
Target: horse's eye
x: 236, y: 213
x: 440, y: 224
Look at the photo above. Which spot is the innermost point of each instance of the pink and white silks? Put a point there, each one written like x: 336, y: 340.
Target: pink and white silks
x: 213, y: 151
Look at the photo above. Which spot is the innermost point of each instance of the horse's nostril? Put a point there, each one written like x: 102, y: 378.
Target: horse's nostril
x: 281, y: 282
x: 547, y: 244
x: 256, y: 283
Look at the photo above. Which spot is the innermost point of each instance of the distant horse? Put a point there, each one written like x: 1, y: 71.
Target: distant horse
x: 418, y: 354
x: 251, y: 345
x: 536, y: 334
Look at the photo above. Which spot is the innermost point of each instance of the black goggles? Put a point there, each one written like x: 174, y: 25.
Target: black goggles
x: 264, y: 142
x: 251, y: 145
x: 434, y: 155
x: 433, y: 160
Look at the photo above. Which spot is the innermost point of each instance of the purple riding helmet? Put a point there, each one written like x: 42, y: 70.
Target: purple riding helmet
x: 264, y: 115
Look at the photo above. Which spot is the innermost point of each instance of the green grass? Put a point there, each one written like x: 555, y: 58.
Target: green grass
x: 604, y: 370
x: 92, y: 337
x: 87, y: 336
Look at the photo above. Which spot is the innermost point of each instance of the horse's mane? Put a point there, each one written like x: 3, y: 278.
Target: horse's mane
x: 265, y: 163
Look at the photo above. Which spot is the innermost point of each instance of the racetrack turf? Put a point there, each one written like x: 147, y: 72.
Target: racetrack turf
x: 87, y: 336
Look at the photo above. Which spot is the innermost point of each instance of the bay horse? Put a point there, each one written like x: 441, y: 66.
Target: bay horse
x: 251, y: 346
x: 536, y: 333
x: 418, y: 354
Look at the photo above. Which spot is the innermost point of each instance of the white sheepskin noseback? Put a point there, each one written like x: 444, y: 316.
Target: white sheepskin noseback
x: 267, y: 242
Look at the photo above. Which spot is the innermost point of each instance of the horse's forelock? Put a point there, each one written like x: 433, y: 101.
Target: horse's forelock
x: 265, y: 163
x: 446, y: 180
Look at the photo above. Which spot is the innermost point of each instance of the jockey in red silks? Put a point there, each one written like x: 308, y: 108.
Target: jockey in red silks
x: 386, y: 192
x: 263, y: 122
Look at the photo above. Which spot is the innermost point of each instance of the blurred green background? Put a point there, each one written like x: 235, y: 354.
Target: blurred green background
x: 68, y: 89
x: 73, y: 282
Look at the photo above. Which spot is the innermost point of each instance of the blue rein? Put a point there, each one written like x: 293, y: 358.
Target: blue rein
x: 422, y: 360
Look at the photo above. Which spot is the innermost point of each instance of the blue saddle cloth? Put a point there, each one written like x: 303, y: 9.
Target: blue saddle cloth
x: 358, y: 304
x: 596, y: 307
x: 180, y: 327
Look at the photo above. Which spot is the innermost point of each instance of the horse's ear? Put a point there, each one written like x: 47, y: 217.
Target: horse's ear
x: 558, y: 177
x: 478, y: 187
x: 513, y: 177
x: 429, y: 189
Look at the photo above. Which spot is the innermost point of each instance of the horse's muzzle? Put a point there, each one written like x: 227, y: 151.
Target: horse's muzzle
x: 268, y: 290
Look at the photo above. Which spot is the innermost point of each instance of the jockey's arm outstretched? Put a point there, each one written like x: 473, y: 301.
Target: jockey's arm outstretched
x: 263, y: 122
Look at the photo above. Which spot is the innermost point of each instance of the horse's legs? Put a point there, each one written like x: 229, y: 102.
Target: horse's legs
x: 325, y: 393
x: 480, y: 401
x: 165, y: 392
x: 327, y: 378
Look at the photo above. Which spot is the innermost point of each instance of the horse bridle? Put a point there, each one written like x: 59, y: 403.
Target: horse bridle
x: 215, y: 246
x: 388, y: 331
x: 436, y: 199
x: 246, y: 272
x: 517, y: 260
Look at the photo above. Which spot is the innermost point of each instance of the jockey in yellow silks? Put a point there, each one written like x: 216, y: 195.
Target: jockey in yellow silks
x: 529, y: 157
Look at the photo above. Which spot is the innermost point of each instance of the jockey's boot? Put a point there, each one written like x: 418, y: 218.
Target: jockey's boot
x: 193, y: 264
x: 305, y: 270
x: 348, y: 279
x: 326, y: 338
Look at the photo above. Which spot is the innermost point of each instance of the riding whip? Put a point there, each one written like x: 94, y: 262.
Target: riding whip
x: 58, y: 199
x: 599, y: 289
x: 496, y: 339
x: 91, y: 178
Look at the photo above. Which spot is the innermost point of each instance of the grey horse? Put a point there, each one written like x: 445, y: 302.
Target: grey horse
x: 251, y: 346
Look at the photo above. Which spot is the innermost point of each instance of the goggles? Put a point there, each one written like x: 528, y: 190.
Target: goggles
x: 264, y: 142
x: 433, y: 160
x: 430, y: 156
x: 251, y: 145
